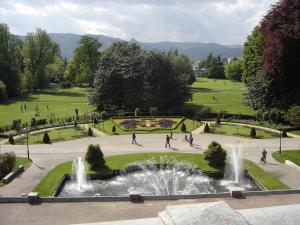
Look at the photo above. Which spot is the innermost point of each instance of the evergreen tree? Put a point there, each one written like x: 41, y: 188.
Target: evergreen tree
x: 46, y: 138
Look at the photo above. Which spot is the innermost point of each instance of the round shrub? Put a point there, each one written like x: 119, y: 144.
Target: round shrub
x: 94, y: 156
x: 283, y: 134
x: 7, y: 163
x: 114, y: 129
x: 11, y: 139
x: 183, y: 127
x: 104, y: 115
x: 90, y: 132
x: 206, y: 128
x: 215, y: 155
x: 253, y: 132
x: 46, y: 138
x: 218, y: 120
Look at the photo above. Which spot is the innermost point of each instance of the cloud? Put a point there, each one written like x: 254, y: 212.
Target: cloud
x: 221, y: 21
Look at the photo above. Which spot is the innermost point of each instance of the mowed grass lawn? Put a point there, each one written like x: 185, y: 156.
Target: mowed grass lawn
x: 20, y: 161
x: 242, y: 131
x: 62, y: 134
x: 219, y: 95
x: 108, y: 125
x: 47, y: 185
x: 292, y: 155
x: 61, y: 103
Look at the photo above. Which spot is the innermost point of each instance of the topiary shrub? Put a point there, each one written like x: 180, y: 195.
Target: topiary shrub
x: 114, y: 129
x: 218, y: 120
x: 94, y: 156
x: 283, y: 134
x: 206, y: 128
x: 253, y: 132
x: 215, y: 155
x: 90, y: 132
x: 46, y: 138
x: 11, y: 139
x: 183, y: 127
x: 7, y: 163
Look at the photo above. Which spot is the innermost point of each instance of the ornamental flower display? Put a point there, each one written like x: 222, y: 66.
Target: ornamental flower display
x: 166, y: 123
x: 129, y: 124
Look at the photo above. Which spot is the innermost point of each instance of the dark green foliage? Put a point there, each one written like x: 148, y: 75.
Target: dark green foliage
x: 218, y: 120
x: 3, y: 95
x: 293, y: 115
x: 130, y: 77
x: 16, y: 124
x: 76, y: 111
x: 153, y: 111
x: 75, y: 124
x: 214, y: 67
x: 94, y: 156
x: 215, y: 154
x: 7, y: 163
x: 274, y: 116
x: 104, y: 115
x: 46, y: 138
x: 11, y: 139
x: 114, y: 129
x: 90, y: 132
x: 33, y: 122
x: 283, y: 134
x: 183, y: 127
x: 253, y: 132
x: 206, y: 128
x: 234, y: 69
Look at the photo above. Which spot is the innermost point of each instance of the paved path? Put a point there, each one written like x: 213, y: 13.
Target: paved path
x: 45, y: 157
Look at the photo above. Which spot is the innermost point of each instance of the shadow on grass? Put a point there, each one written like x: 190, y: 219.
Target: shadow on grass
x: 63, y: 93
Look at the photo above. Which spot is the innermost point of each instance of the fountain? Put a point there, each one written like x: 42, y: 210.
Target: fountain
x: 169, y: 177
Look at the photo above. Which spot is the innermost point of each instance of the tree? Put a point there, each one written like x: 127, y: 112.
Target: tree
x: 90, y: 132
x: 11, y: 139
x: 214, y: 67
x: 215, y: 155
x: 85, y: 60
x: 253, y: 54
x: 3, y: 95
x: 39, y: 51
x: 153, y: 111
x: 293, y: 115
x: 182, y: 67
x: 114, y: 129
x: 183, y: 127
x: 10, y: 61
x: 281, y: 58
x: 55, y: 71
x: 94, y: 156
x: 206, y: 128
x: 46, y: 138
x: 234, y: 69
x: 130, y: 77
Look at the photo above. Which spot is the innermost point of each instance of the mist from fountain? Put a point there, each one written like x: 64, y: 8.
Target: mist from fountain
x: 79, y: 179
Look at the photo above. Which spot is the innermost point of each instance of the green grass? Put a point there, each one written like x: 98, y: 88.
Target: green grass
x: 297, y: 132
x: 48, y: 184
x: 264, y: 178
x: 108, y: 124
x: 228, y: 94
x: 62, y: 134
x: 292, y: 155
x: 61, y: 103
x: 20, y: 161
x: 242, y: 131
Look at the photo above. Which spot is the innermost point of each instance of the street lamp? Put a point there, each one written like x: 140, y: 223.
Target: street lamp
x: 280, y: 131
x: 26, y: 133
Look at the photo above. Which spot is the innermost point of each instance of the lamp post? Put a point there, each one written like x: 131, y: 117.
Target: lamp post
x: 280, y: 131
x: 26, y: 133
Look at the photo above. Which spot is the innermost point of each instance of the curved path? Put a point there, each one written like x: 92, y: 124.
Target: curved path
x: 46, y: 157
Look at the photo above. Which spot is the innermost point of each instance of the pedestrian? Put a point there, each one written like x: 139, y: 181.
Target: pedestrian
x: 171, y: 134
x: 186, y: 138
x: 133, y: 138
x: 167, y: 141
x: 191, y: 139
x: 264, y: 155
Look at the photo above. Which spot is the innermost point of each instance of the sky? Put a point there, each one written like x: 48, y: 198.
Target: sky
x: 218, y: 21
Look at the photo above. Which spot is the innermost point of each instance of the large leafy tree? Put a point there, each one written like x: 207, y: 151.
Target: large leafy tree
x: 253, y: 54
x: 129, y: 77
x: 85, y: 61
x: 234, y: 69
x: 39, y: 51
x: 214, y: 67
x: 10, y: 61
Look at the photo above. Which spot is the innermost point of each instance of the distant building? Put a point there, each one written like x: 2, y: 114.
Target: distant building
x: 197, y: 70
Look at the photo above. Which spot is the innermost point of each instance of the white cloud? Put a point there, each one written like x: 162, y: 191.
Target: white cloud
x: 221, y: 21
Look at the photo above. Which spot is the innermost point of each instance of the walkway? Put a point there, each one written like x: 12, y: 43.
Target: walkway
x: 45, y: 157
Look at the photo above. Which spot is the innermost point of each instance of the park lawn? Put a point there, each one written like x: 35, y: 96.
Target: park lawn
x: 108, y: 124
x: 60, y: 102
x: 292, y: 155
x: 219, y: 95
x: 297, y: 132
x: 60, y: 134
x: 48, y: 184
x: 264, y: 178
x: 235, y: 130
x: 20, y: 161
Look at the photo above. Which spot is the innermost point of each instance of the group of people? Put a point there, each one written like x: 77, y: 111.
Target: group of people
x: 189, y: 139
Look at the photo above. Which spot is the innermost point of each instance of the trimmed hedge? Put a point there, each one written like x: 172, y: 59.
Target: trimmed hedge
x: 7, y: 163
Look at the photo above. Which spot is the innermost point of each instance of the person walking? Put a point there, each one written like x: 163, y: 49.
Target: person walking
x: 264, y: 155
x: 167, y: 142
x: 191, y: 139
x: 133, y: 138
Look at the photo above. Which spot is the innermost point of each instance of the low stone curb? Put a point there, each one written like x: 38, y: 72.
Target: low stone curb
x: 290, y: 163
x: 9, y: 177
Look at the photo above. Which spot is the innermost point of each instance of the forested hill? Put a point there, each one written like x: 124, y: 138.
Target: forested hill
x: 195, y: 50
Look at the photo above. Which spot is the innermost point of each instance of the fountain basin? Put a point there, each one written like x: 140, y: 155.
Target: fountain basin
x: 150, y: 180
